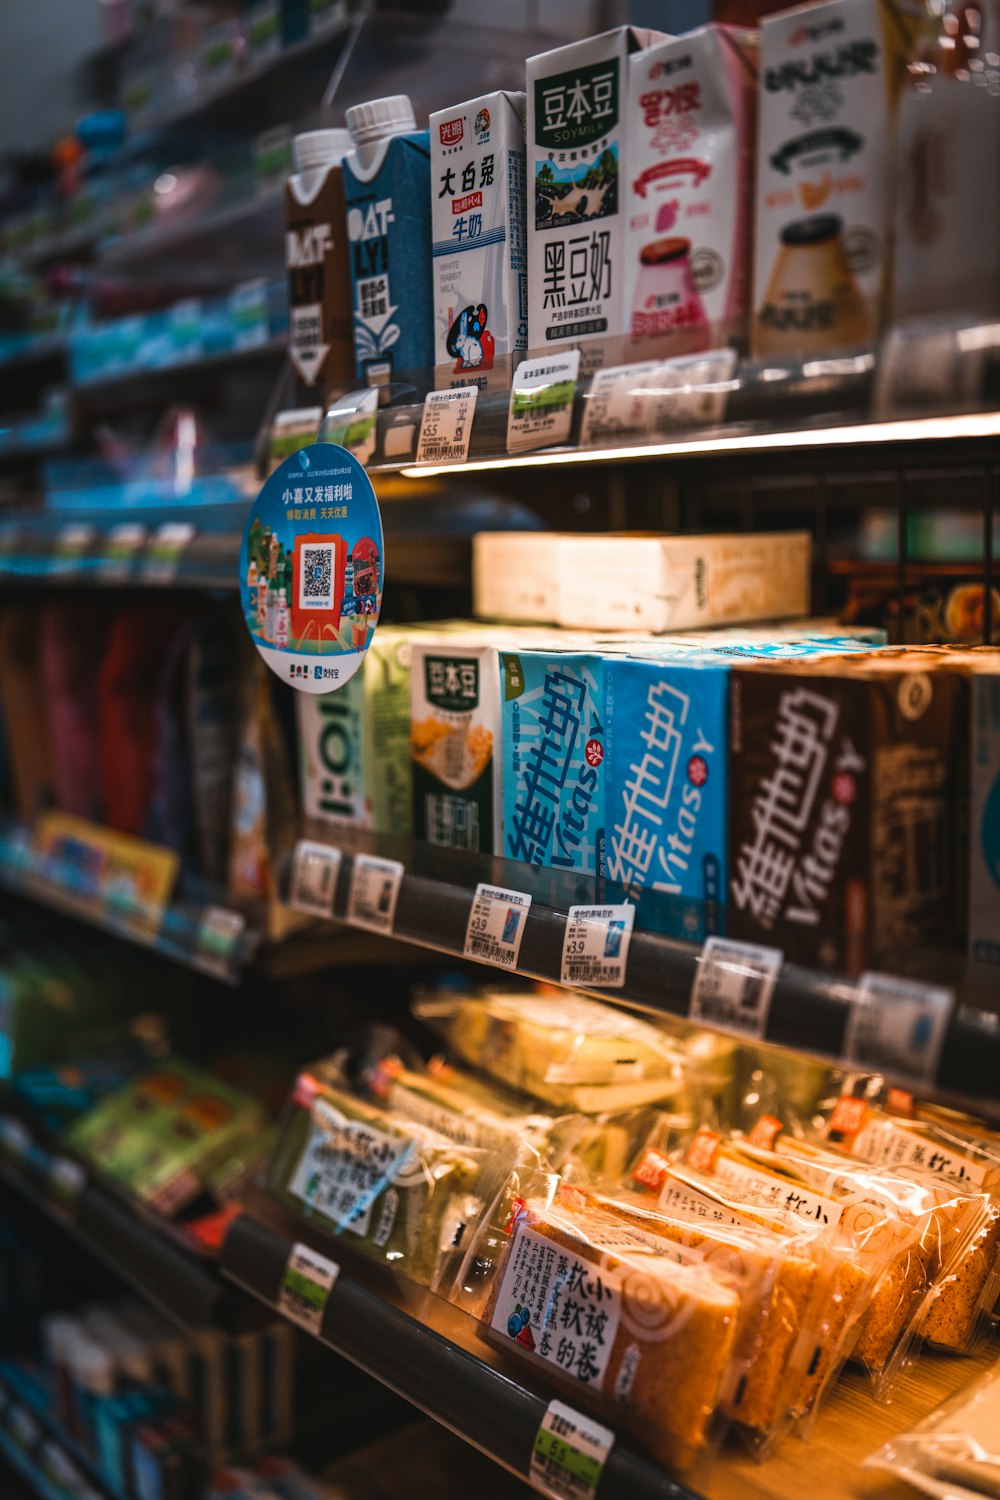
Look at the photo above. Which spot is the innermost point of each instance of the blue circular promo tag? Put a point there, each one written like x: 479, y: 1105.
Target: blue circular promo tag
x: 311, y: 568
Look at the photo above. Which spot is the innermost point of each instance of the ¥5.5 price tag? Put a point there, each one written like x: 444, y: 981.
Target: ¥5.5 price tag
x: 496, y: 925
x: 596, y: 944
x: 315, y: 868
x: 733, y: 987
x: 306, y: 1284
x: 569, y: 1454
x: 897, y: 1027
x: 446, y: 426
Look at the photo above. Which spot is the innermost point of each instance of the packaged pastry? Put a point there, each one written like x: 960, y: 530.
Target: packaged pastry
x: 577, y: 1054
x: 601, y: 1308
x: 949, y: 1150
x: 956, y: 1446
x: 404, y: 1193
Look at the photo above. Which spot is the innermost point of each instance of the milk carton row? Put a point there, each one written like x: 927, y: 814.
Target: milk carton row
x: 792, y: 187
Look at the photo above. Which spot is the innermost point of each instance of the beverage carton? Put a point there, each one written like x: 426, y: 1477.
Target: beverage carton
x: 984, y: 827
x: 577, y: 160
x: 320, y: 331
x: 692, y: 106
x: 455, y: 729
x: 830, y: 75
x: 480, y: 252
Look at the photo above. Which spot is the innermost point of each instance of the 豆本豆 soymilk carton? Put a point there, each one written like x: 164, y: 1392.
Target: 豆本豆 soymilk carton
x: 692, y: 104
x: 829, y: 78
x: 480, y: 254
x: 577, y: 152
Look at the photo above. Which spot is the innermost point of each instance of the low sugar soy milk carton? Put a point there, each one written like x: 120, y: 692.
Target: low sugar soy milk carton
x: 577, y: 164
x: 479, y: 251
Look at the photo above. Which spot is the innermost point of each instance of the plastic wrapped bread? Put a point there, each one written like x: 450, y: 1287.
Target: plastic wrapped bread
x: 594, y: 1306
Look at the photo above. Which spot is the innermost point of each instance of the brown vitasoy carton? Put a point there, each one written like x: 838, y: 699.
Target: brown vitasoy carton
x: 846, y: 783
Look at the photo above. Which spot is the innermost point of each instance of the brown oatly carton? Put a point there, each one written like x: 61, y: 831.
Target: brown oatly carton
x: 846, y: 777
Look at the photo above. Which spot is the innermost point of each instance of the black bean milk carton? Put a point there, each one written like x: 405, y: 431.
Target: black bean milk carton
x: 577, y: 144
x: 479, y: 249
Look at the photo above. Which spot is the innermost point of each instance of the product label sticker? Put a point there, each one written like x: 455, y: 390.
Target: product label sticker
x: 352, y: 422
x: 620, y: 406
x: 346, y: 1165
x: 897, y: 1026
x: 164, y: 553
x: 764, y: 1190
x: 311, y: 568
x: 121, y: 546
x: 541, y: 401
x: 557, y: 1308
x: 569, y: 1453
x: 67, y: 1179
x: 694, y: 390
x: 733, y: 986
x: 446, y: 426
x: 306, y: 1284
x: 219, y: 935
x: 893, y: 1145
x: 596, y: 944
x: 496, y: 925
x: 373, y: 893
x: 314, y: 878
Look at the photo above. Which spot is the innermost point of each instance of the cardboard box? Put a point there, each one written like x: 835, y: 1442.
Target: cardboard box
x: 577, y: 164
x: 640, y: 582
x: 692, y: 107
x: 478, y: 221
x: 845, y: 780
x: 354, y: 762
x: 829, y: 80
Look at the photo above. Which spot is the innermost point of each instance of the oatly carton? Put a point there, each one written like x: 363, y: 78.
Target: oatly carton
x: 480, y: 253
x: 577, y: 165
x: 692, y: 106
x: 830, y: 76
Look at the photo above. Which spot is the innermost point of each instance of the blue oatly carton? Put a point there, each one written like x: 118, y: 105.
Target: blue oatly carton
x: 666, y: 797
x: 387, y: 187
x: 553, y: 759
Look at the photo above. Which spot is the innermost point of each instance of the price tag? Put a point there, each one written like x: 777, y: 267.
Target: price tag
x: 306, y: 1284
x: 15, y: 1138
x: 897, y: 1026
x: 123, y: 542
x: 569, y: 1454
x: 219, y: 935
x: 541, y: 401
x: 446, y: 426
x: 71, y: 542
x: 374, y: 891
x: 932, y: 367
x: 67, y: 1180
x: 315, y: 868
x: 496, y: 925
x: 165, y: 551
x: 620, y: 406
x: 595, y: 945
x: 733, y: 987
x: 695, y: 390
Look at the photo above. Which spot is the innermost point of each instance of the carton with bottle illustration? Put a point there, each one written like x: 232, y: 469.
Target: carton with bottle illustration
x: 480, y: 254
x: 830, y: 78
x: 692, y: 104
x: 387, y: 193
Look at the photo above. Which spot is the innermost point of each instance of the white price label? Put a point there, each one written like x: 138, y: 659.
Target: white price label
x: 496, y: 925
x: 315, y: 868
x: 733, y: 987
x: 620, y: 406
x: 569, y: 1453
x: 694, y: 390
x: 374, y: 891
x: 446, y: 426
x: 306, y: 1283
x: 938, y: 366
x: 541, y: 401
x: 15, y: 1137
x: 123, y: 542
x: 68, y: 1180
x: 219, y: 935
x: 595, y: 945
x: 897, y: 1026
x: 166, y: 549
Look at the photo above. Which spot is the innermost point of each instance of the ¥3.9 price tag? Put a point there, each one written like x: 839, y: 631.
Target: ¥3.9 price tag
x: 596, y: 944
x: 897, y: 1027
x: 569, y: 1454
x: 306, y: 1284
x: 496, y: 925
x: 733, y: 986
x: 315, y: 868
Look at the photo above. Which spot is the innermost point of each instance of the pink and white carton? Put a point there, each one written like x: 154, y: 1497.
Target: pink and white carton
x: 692, y: 115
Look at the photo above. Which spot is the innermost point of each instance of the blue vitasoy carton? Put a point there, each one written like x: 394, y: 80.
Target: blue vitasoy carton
x: 666, y: 797
x: 553, y: 759
x: 387, y: 193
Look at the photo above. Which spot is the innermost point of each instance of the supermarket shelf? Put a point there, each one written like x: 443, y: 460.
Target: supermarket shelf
x: 185, y: 1288
x: 135, y: 381
x: 242, y: 238
x: 438, y: 1371
x: 43, y: 1457
x: 203, y: 936
x: 809, y: 1010
x: 18, y: 352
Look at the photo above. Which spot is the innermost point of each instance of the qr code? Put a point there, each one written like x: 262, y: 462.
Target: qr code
x: 317, y: 577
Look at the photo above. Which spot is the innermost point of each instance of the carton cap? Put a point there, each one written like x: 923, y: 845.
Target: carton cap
x: 320, y: 148
x: 380, y: 118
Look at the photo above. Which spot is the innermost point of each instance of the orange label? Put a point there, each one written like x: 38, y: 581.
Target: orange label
x: 765, y: 1132
x: 652, y: 1171
x: 703, y: 1149
x: 849, y: 1115
x: 900, y: 1102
